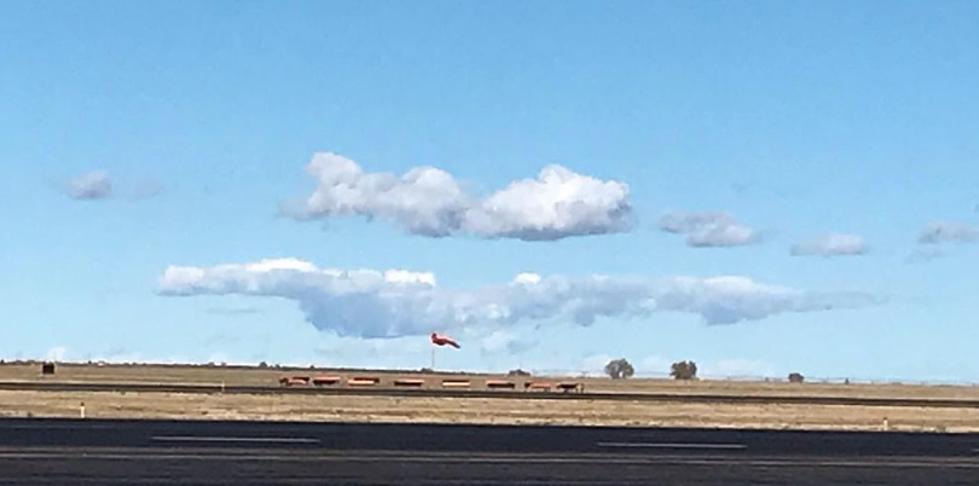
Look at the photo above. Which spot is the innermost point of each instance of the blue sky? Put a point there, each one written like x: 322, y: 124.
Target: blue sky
x: 692, y: 146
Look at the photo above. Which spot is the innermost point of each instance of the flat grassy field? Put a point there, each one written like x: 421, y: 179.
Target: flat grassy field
x: 481, y: 411
x: 478, y: 410
x: 232, y: 376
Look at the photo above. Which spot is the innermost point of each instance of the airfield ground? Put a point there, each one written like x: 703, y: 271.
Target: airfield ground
x: 426, y: 409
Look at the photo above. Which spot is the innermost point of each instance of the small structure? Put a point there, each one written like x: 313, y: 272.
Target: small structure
x: 47, y: 368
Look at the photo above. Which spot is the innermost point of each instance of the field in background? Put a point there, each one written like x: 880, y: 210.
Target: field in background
x: 254, y: 376
x: 582, y: 411
x: 340, y: 408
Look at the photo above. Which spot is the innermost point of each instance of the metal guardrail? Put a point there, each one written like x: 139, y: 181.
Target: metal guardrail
x: 509, y: 394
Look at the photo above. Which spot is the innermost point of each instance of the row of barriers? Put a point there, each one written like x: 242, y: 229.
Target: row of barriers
x: 334, y: 381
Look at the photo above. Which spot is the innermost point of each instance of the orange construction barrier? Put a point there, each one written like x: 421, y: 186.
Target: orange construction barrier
x: 293, y: 381
x: 326, y: 380
x: 537, y: 386
x: 363, y: 381
x: 500, y: 385
x: 409, y: 382
x: 456, y: 383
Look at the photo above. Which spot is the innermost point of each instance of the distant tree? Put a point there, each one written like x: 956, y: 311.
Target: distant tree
x: 619, y: 368
x: 684, y: 370
x: 796, y: 378
x: 263, y: 365
x: 518, y: 372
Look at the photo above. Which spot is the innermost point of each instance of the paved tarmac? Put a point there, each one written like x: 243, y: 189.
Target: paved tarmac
x: 248, y: 453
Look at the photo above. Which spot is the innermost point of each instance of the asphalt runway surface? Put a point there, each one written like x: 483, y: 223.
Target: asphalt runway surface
x: 49, y: 451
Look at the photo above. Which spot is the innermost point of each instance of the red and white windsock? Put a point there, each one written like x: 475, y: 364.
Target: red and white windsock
x: 440, y: 340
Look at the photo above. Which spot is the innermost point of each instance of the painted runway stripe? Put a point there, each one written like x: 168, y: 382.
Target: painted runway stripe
x: 225, y: 440
x: 670, y: 445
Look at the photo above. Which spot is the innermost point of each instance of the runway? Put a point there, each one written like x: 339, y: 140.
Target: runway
x: 225, y: 453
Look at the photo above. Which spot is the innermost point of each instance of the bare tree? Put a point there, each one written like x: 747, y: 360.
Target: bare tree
x: 619, y: 368
x: 796, y: 378
x: 684, y: 370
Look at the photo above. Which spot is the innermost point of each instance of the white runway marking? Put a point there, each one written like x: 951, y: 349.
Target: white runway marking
x: 669, y: 445
x: 253, y: 440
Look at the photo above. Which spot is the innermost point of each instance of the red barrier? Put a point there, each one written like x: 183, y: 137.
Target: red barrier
x: 537, y: 386
x: 500, y: 385
x: 409, y: 382
x: 363, y: 381
x: 326, y: 380
x: 456, y: 384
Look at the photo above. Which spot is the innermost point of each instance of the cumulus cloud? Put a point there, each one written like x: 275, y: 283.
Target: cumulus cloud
x: 505, y: 341
x: 90, y: 186
x: 371, y: 303
x: 427, y: 201
x: 99, y: 185
x: 738, y: 368
x: 939, y: 232
x: 924, y: 254
x: 56, y: 353
x: 831, y: 245
x: 708, y: 229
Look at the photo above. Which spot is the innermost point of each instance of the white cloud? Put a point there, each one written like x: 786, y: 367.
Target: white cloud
x: 708, y: 229
x: 56, y: 353
x: 97, y: 185
x: 924, y: 254
x: 505, y: 341
x: 737, y: 368
x: 370, y: 303
x: 594, y: 365
x: 428, y: 201
x: 654, y: 366
x: 831, y: 245
x: 90, y: 186
x: 948, y: 232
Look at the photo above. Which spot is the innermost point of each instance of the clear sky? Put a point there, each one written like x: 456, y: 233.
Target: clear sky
x: 762, y: 187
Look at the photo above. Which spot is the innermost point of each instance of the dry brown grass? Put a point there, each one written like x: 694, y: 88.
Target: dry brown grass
x: 270, y: 377
x: 480, y: 410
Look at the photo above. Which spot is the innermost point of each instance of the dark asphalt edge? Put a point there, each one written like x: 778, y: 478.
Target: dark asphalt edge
x: 103, y: 422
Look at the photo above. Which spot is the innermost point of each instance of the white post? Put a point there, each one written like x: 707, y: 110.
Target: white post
x: 81, y: 410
